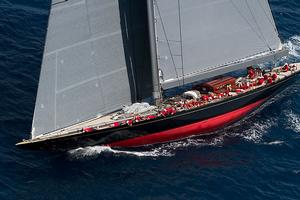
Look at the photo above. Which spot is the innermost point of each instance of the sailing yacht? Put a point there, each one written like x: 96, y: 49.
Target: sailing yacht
x: 108, y: 66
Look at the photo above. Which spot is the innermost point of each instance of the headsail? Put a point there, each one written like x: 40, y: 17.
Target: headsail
x: 218, y: 36
x: 84, y: 70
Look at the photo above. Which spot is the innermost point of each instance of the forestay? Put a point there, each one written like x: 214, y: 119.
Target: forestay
x: 83, y: 71
x: 218, y: 36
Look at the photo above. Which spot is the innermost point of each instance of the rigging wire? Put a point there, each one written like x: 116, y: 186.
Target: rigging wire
x: 165, y: 34
x: 250, y: 25
x: 259, y: 29
x: 181, y: 47
x: 268, y: 17
x: 271, y: 21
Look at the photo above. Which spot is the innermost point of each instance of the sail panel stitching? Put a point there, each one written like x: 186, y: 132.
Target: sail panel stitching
x: 91, y: 79
x: 84, y: 42
x: 55, y: 90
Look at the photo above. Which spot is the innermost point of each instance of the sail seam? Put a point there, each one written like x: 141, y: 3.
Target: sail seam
x: 59, y: 2
x: 83, y: 42
x: 63, y: 6
x: 55, y: 92
x: 90, y: 79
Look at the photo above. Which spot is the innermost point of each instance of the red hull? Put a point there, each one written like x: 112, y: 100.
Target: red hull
x: 197, y: 128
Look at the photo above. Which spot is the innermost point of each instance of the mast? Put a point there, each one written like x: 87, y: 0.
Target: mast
x: 156, y: 92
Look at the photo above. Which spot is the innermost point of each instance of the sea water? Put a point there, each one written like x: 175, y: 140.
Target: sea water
x: 256, y: 158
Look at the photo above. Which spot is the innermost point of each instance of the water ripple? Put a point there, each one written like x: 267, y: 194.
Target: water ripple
x: 256, y: 158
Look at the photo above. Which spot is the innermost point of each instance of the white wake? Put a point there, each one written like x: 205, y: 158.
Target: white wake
x: 162, y: 150
x: 276, y: 142
x: 293, y: 44
x: 94, y: 151
x: 293, y: 121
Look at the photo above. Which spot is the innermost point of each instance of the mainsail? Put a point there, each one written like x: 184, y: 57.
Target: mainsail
x: 199, y: 39
x: 84, y: 71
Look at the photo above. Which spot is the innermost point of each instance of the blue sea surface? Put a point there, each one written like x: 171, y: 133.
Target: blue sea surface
x: 257, y: 158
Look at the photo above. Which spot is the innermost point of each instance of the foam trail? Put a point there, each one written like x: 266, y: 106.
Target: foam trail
x: 293, y: 44
x: 195, y: 141
x: 254, y: 131
x: 293, y: 121
x: 94, y: 151
x: 162, y: 150
x: 296, y: 171
x: 276, y: 142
